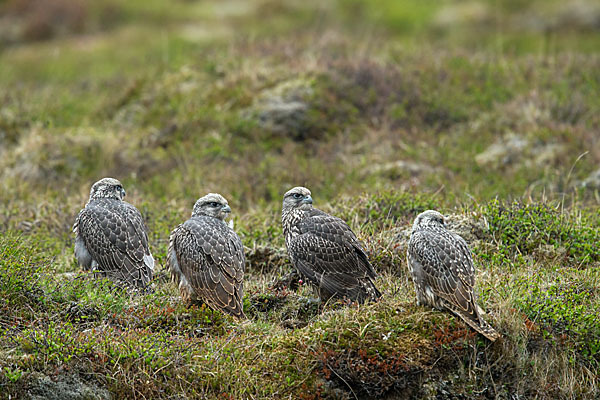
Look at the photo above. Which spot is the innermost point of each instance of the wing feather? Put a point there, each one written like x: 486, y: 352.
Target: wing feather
x: 210, y: 263
x: 330, y: 255
x: 115, y: 235
x: 444, y: 263
x: 448, y: 268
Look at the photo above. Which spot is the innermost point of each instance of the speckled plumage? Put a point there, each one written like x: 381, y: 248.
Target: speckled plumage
x: 443, y: 272
x: 325, y: 251
x: 111, y: 237
x: 206, y: 257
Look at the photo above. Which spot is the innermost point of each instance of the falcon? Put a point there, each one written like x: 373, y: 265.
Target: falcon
x: 325, y: 251
x: 206, y: 257
x: 443, y: 272
x: 111, y: 237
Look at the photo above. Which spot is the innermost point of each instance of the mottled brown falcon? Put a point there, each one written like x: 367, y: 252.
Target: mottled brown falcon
x: 206, y: 257
x: 111, y: 237
x: 443, y: 271
x: 325, y: 251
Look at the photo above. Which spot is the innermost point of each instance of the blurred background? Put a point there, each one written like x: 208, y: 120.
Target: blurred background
x: 485, y: 110
x: 467, y: 100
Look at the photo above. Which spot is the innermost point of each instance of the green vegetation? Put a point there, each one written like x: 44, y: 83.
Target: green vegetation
x: 484, y: 110
x: 568, y: 313
x: 523, y: 229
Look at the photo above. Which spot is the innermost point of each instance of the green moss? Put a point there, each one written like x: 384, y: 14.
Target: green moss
x: 567, y: 312
x: 524, y: 229
x: 387, y: 349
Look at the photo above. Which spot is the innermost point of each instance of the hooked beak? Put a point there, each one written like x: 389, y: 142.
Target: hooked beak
x: 307, y: 200
x: 226, y: 209
x: 123, y: 193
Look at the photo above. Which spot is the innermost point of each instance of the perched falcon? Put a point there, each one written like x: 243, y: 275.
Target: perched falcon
x: 111, y: 237
x: 206, y: 257
x: 325, y: 251
x: 443, y: 271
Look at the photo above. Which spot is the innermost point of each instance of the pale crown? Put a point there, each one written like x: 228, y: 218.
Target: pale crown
x: 107, y: 188
x: 212, y: 205
x: 298, y: 197
x: 429, y: 218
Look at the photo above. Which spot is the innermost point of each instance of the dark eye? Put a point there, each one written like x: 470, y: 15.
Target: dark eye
x: 214, y: 204
x: 297, y: 196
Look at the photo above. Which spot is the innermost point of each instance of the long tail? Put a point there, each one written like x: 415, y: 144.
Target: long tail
x: 482, y: 327
x: 476, y: 322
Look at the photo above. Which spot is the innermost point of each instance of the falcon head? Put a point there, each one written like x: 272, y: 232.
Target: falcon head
x: 212, y: 205
x: 298, y: 197
x: 107, y: 188
x: 429, y: 218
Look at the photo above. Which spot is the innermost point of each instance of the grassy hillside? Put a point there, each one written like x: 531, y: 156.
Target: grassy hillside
x: 487, y: 111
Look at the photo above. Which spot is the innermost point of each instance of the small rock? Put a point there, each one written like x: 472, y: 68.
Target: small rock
x: 592, y: 181
x: 462, y: 13
x: 471, y: 228
x: 160, y: 137
x: 516, y: 150
x: 399, y: 167
x: 579, y: 14
x: 284, y: 109
x: 575, y: 15
x: 65, y: 388
x: 505, y: 151
x: 546, y: 154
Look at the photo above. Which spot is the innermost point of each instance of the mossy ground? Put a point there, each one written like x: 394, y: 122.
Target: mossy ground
x: 486, y: 111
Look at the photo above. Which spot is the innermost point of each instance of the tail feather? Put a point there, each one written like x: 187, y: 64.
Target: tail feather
x: 372, y: 291
x: 476, y: 322
x: 364, y: 291
x: 482, y: 327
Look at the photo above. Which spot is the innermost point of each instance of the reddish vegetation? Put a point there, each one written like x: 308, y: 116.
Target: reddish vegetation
x: 453, y: 337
